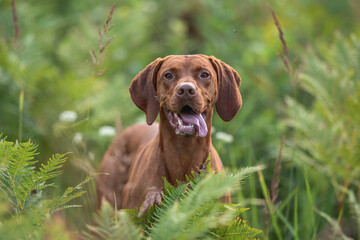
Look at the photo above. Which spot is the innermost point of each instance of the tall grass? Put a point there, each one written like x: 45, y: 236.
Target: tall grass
x: 312, y: 100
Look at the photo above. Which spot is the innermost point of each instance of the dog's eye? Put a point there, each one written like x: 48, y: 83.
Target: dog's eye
x: 204, y: 75
x: 168, y: 76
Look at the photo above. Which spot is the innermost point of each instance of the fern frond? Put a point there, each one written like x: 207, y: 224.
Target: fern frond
x: 354, y: 207
x: 22, y: 160
x: 59, y: 203
x: 23, y: 185
x: 5, y: 152
x: 17, y: 162
x: 238, y: 229
x: 194, y: 212
x: 191, y: 210
x: 36, y: 180
x: 105, y: 227
x: 328, y: 132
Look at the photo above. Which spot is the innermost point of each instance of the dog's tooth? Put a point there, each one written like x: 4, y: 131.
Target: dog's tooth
x: 179, y: 121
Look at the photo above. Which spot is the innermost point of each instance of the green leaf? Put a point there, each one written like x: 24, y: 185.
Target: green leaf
x: 23, y: 186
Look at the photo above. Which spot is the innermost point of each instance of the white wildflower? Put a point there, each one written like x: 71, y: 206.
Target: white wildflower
x: 68, y: 116
x: 92, y: 156
x: 213, y: 130
x: 141, y: 119
x: 224, y: 137
x: 78, y: 138
x: 107, y: 131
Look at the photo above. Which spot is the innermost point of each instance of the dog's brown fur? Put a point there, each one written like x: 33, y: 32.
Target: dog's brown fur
x: 142, y: 155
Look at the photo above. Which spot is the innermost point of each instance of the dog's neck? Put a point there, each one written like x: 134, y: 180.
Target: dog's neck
x: 182, y: 154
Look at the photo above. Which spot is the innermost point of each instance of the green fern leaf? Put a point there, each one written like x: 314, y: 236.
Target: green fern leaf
x: 195, y: 213
x: 23, y: 185
x: 106, y: 227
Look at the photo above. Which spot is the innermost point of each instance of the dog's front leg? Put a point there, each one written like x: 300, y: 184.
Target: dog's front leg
x: 153, y: 196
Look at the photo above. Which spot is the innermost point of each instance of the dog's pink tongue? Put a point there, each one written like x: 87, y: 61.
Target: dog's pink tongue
x: 197, y: 120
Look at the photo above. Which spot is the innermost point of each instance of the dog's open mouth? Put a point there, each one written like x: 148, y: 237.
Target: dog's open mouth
x: 188, y: 122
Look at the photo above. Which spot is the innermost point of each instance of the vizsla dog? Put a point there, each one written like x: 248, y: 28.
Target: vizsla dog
x: 183, y: 90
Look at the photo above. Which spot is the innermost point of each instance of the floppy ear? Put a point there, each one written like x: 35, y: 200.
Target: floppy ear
x: 229, y: 98
x: 143, y: 90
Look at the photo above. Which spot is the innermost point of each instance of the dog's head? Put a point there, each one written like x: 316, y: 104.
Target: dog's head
x: 186, y: 88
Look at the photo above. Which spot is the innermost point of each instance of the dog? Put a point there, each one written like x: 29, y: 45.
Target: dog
x: 183, y: 90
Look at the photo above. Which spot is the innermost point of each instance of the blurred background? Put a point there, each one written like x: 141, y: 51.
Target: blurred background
x: 69, y: 94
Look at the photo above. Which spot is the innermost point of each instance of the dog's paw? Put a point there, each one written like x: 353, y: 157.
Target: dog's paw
x: 152, y: 197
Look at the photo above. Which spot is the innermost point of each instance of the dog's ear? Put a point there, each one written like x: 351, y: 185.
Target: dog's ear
x: 229, y: 100
x: 143, y: 90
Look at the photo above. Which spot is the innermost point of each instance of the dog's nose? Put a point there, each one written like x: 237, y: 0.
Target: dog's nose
x: 186, y: 90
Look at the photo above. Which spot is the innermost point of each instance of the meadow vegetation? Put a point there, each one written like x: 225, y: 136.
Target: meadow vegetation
x: 65, y: 68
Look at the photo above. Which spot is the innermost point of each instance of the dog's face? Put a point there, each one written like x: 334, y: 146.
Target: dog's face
x: 186, y: 88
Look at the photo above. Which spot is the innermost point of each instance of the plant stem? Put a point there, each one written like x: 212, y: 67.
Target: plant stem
x: 21, y: 110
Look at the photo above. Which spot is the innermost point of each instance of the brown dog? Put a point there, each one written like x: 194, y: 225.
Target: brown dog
x: 184, y: 90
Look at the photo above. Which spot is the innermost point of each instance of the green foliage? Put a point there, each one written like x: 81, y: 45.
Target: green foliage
x: 18, y: 177
x: 45, y: 71
x: 22, y: 186
x: 326, y: 134
x: 111, y: 224
x: 190, y: 210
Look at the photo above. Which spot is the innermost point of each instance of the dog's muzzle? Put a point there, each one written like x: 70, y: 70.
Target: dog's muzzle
x: 188, y: 122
